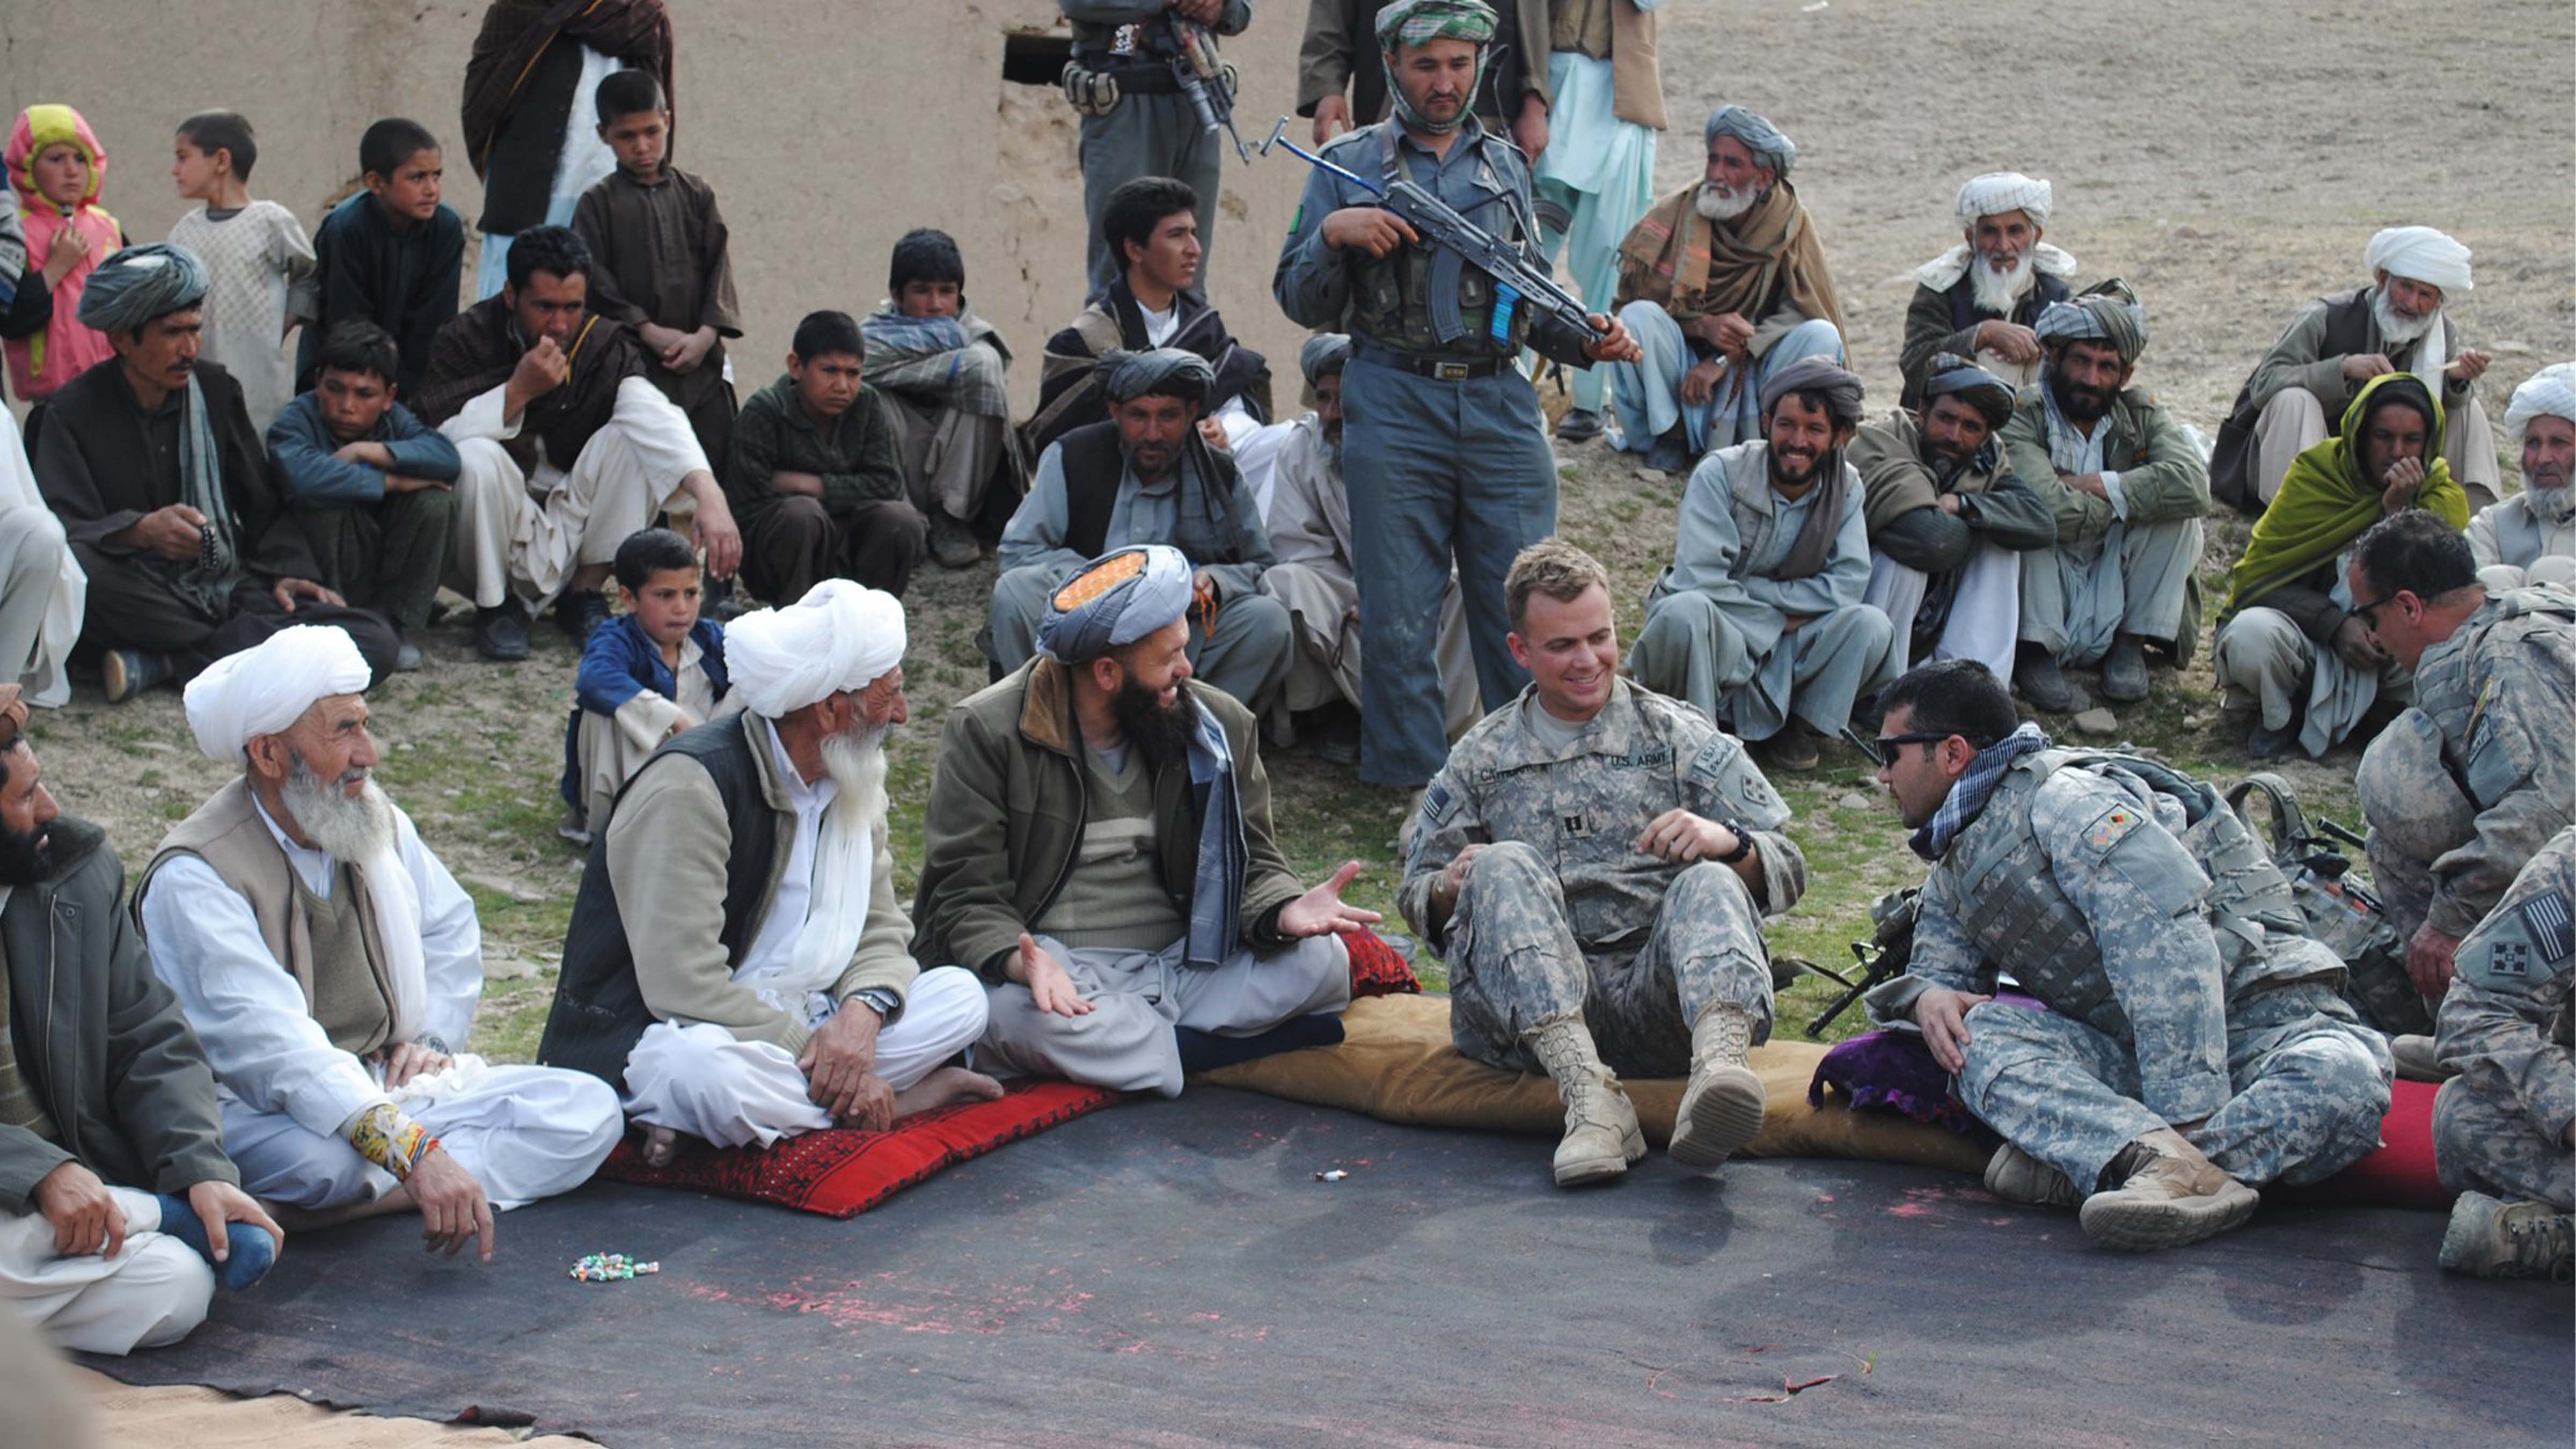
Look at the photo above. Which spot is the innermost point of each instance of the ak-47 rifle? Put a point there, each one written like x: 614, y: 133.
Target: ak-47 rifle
x: 1460, y: 242
x: 1883, y: 957
x: 1206, y: 80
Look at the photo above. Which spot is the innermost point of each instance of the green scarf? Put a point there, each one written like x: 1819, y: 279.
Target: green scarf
x: 2326, y: 503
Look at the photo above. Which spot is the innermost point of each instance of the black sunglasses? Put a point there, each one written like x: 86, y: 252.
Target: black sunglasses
x: 2368, y: 613
x: 1884, y: 747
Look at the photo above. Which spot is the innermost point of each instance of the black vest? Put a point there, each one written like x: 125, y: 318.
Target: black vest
x: 2235, y: 457
x: 599, y: 1012
x: 1094, y: 465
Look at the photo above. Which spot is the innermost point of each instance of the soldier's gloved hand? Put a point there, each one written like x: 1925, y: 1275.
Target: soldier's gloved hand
x: 1943, y: 1015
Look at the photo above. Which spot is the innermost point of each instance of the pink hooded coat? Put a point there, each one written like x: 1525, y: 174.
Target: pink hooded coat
x: 65, y: 349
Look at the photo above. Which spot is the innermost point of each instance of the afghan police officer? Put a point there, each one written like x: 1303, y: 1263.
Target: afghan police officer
x: 1445, y: 449
x: 2503, y: 1129
x: 1136, y: 120
x: 1597, y: 860
x: 2463, y: 787
x: 2194, y: 1044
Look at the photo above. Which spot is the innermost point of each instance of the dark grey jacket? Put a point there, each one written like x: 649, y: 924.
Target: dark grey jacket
x: 99, y: 1039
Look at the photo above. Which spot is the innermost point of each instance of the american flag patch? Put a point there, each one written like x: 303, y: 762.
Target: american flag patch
x: 2545, y: 917
x: 2107, y: 829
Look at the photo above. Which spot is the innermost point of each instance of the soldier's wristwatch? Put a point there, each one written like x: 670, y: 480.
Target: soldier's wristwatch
x: 1743, y: 843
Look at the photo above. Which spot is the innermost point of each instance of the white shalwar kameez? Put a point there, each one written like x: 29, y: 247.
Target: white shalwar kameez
x: 287, y: 1093
x: 524, y: 535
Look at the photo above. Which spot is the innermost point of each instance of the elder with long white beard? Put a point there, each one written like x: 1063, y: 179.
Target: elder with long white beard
x: 1980, y: 299
x: 2400, y: 322
x: 1724, y: 285
x: 331, y: 965
x: 738, y: 962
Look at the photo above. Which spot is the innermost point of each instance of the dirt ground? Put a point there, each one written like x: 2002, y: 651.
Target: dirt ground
x: 2229, y: 159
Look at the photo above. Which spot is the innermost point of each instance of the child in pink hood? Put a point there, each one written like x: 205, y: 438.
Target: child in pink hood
x: 55, y: 164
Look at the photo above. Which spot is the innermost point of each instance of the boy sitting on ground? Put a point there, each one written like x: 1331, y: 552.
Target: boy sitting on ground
x: 646, y: 675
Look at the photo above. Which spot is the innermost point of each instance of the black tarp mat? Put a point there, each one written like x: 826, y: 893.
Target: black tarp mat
x: 1173, y: 1273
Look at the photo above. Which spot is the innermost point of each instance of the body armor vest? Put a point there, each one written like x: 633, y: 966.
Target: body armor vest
x: 2010, y: 905
x: 1391, y: 295
x: 2448, y: 693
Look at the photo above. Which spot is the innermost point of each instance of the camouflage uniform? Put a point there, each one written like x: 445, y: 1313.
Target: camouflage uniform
x: 2461, y: 789
x: 1562, y: 913
x: 2178, y: 987
x: 2500, y: 1127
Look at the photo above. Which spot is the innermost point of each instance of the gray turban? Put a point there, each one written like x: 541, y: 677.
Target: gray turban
x: 1842, y: 388
x: 1948, y: 374
x: 1759, y: 136
x: 137, y: 284
x: 1323, y: 355
x: 1128, y: 376
x: 1117, y: 599
x: 2104, y: 312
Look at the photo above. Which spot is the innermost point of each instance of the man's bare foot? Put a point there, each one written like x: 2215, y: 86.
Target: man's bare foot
x: 660, y: 1144
x: 945, y: 1086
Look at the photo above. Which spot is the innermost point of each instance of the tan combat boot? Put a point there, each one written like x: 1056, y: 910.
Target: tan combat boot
x: 1721, y: 1109
x: 2490, y: 1238
x: 1601, y: 1134
x: 2169, y: 1195
x: 2417, y: 1061
x: 2016, y: 1176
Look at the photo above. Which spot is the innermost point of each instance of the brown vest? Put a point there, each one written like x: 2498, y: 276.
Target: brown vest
x: 338, y: 958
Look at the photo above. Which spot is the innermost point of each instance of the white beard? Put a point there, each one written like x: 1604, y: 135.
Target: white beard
x: 856, y: 761
x: 1717, y: 203
x: 1998, y: 292
x: 2397, y: 331
x: 2552, y: 506
x: 353, y: 830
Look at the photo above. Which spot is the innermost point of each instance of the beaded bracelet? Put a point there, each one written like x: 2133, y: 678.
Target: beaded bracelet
x: 384, y: 1136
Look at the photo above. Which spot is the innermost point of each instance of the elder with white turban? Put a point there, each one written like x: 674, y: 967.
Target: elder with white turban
x: 738, y: 961
x: 331, y: 965
x: 2399, y: 322
x: 1979, y: 299
x: 2530, y: 538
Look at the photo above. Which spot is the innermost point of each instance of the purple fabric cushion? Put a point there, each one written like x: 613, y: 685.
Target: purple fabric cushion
x: 1893, y: 1071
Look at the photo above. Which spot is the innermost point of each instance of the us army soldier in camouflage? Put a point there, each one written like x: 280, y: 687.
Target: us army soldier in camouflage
x: 2503, y: 1128
x: 2464, y: 787
x: 1595, y: 861
x: 2193, y: 1042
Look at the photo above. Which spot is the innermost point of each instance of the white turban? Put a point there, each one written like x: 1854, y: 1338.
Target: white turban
x: 1997, y: 192
x: 2419, y: 254
x: 264, y: 690
x: 841, y: 635
x: 2549, y: 393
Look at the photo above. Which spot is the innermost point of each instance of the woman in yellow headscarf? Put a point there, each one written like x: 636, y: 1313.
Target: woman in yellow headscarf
x: 2291, y: 638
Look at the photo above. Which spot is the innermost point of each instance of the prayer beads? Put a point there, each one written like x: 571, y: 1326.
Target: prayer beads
x: 611, y: 1268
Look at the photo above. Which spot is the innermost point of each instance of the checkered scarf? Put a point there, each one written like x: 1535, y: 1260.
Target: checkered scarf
x: 1968, y: 797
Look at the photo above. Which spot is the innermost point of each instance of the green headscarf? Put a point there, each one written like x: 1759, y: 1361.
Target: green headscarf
x: 2326, y: 503
x: 1419, y: 22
